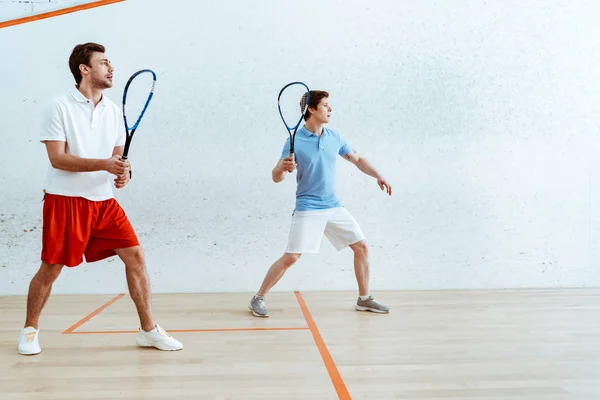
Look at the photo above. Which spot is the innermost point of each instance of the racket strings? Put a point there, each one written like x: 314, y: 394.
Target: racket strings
x: 293, y: 103
x: 137, y: 95
x: 304, y: 103
x: 291, y: 96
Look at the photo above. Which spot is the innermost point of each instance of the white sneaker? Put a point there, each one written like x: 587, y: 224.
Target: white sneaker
x: 158, y: 338
x: 28, y: 341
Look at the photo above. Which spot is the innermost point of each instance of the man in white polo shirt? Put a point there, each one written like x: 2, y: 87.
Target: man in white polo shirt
x: 318, y: 210
x: 84, y: 135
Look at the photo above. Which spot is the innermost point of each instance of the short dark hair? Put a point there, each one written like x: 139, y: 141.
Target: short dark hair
x: 315, y: 98
x: 81, y: 54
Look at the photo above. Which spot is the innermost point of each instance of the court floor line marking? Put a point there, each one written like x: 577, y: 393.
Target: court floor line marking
x: 70, y: 329
x: 336, y: 378
x: 56, y: 13
x: 194, y: 330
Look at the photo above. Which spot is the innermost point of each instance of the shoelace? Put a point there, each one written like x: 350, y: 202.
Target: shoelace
x: 261, y: 303
x: 163, y: 332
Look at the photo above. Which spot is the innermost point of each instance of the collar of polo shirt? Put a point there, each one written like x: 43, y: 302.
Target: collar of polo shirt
x: 77, y: 95
x: 306, y: 132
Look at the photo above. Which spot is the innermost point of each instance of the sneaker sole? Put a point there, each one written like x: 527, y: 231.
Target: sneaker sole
x: 29, y: 354
x: 361, y: 308
x: 143, y: 343
x: 256, y: 314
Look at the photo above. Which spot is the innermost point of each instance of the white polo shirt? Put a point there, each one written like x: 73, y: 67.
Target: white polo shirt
x: 90, y: 132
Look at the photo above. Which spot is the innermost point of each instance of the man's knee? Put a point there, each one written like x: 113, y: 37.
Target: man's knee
x: 137, y: 254
x: 133, y: 257
x: 290, y: 259
x: 49, y: 272
x: 360, y: 248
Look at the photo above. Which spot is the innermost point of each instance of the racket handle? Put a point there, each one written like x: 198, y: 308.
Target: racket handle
x: 124, y: 158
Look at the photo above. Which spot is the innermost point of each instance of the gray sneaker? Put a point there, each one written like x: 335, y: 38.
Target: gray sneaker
x: 371, y: 304
x: 258, y: 306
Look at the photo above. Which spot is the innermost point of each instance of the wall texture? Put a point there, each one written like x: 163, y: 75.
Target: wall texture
x: 12, y: 9
x: 483, y: 116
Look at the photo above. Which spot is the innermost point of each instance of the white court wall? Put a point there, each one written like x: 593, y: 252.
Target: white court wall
x: 13, y: 9
x: 484, y: 116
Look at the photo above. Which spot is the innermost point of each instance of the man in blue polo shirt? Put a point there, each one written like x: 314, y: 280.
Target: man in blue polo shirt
x: 318, y: 210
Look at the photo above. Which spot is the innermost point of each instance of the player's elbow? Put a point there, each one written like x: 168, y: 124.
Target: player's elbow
x: 56, y: 161
x: 278, y: 173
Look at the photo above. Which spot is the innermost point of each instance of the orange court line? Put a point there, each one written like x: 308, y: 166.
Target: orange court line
x: 92, y: 314
x: 56, y: 13
x: 71, y: 329
x: 194, y: 330
x: 336, y: 378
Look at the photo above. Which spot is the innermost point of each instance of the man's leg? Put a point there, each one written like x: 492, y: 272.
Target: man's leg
x: 65, y: 233
x: 277, y: 271
x: 150, y: 334
x: 365, y: 301
x: 305, y: 237
x: 138, y: 284
x: 361, y: 266
x: 342, y: 231
x: 39, y: 291
x: 274, y: 274
x: 113, y: 234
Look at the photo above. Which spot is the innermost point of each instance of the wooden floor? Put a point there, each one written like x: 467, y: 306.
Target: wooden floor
x: 448, y: 345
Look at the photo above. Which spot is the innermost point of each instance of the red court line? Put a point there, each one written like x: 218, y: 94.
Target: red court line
x: 56, y: 13
x: 336, y: 378
x: 192, y: 330
x: 92, y: 315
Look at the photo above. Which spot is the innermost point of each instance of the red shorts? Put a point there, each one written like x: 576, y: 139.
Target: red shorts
x: 73, y: 227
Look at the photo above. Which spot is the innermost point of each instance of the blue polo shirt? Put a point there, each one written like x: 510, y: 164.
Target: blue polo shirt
x: 315, y: 171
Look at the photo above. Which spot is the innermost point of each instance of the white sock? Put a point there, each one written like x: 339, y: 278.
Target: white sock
x: 363, y: 298
x: 149, y: 330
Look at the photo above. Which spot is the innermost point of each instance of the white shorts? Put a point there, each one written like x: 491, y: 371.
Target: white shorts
x: 308, y: 227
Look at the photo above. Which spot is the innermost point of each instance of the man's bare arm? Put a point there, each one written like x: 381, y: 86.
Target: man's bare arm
x: 60, y: 159
x: 282, y: 168
x: 365, y: 166
x: 118, y: 150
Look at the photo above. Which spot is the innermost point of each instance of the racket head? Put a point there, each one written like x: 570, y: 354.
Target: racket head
x: 136, y: 102
x: 137, y: 95
x: 292, y: 96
